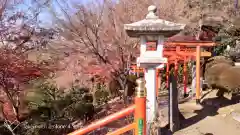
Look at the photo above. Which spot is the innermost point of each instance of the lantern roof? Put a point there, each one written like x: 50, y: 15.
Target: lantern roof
x: 153, y: 25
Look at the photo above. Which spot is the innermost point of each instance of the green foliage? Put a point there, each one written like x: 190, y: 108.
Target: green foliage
x: 132, y: 78
x: 131, y: 84
x: 48, y: 105
x: 102, y: 96
x: 180, y: 72
x: 226, y: 36
x: 42, y: 95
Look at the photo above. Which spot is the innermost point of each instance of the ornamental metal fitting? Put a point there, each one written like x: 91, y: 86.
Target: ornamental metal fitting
x: 141, y: 89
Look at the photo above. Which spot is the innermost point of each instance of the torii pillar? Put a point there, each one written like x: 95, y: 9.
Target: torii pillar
x: 152, y: 29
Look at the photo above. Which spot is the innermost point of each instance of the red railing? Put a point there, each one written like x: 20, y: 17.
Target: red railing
x: 139, y: 109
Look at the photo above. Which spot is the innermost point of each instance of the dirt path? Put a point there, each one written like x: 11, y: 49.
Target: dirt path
x: 214, y: 117
x: 209, y: 121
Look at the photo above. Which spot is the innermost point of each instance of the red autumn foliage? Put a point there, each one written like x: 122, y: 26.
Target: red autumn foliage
x: 8, y: 112
x: 207, y: 35
x: 15, y: 73
x: 100, y: 73
x: 16, y: 68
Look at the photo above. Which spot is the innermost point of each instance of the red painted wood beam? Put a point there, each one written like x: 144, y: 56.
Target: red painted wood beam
x: 195, y: 44
x: 185, y: 80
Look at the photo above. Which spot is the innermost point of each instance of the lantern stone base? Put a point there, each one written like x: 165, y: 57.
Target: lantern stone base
x: 150, y: 62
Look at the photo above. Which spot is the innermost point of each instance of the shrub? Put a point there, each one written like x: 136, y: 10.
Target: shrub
x: 49, y: 105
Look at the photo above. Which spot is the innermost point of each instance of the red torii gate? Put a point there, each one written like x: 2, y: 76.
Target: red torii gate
x: 183, y: 55
x: 174, y: 57
x: 185, y: 51
x: 194, y: 53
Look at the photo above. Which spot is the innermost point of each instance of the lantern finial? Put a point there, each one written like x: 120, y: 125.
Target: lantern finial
x: 152, y: 12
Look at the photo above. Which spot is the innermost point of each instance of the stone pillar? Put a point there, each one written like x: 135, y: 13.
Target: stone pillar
x: 173, y: 111
x: 151, y: 109
x: 143, y: 45
x: 160, y: 45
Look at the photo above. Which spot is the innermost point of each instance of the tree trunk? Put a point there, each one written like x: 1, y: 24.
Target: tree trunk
x: 123, y: 83
x: 125, y: 96
x: 15, y: 107
x: 94, y: 95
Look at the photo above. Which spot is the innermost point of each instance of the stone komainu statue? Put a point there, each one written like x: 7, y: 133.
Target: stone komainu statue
x: 220, y: 73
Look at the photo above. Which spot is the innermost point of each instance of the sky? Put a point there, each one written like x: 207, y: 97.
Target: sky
x: 45, y: 17
x: 27, y: 7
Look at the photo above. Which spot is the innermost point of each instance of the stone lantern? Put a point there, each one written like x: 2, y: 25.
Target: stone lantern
x: 152, y: 29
